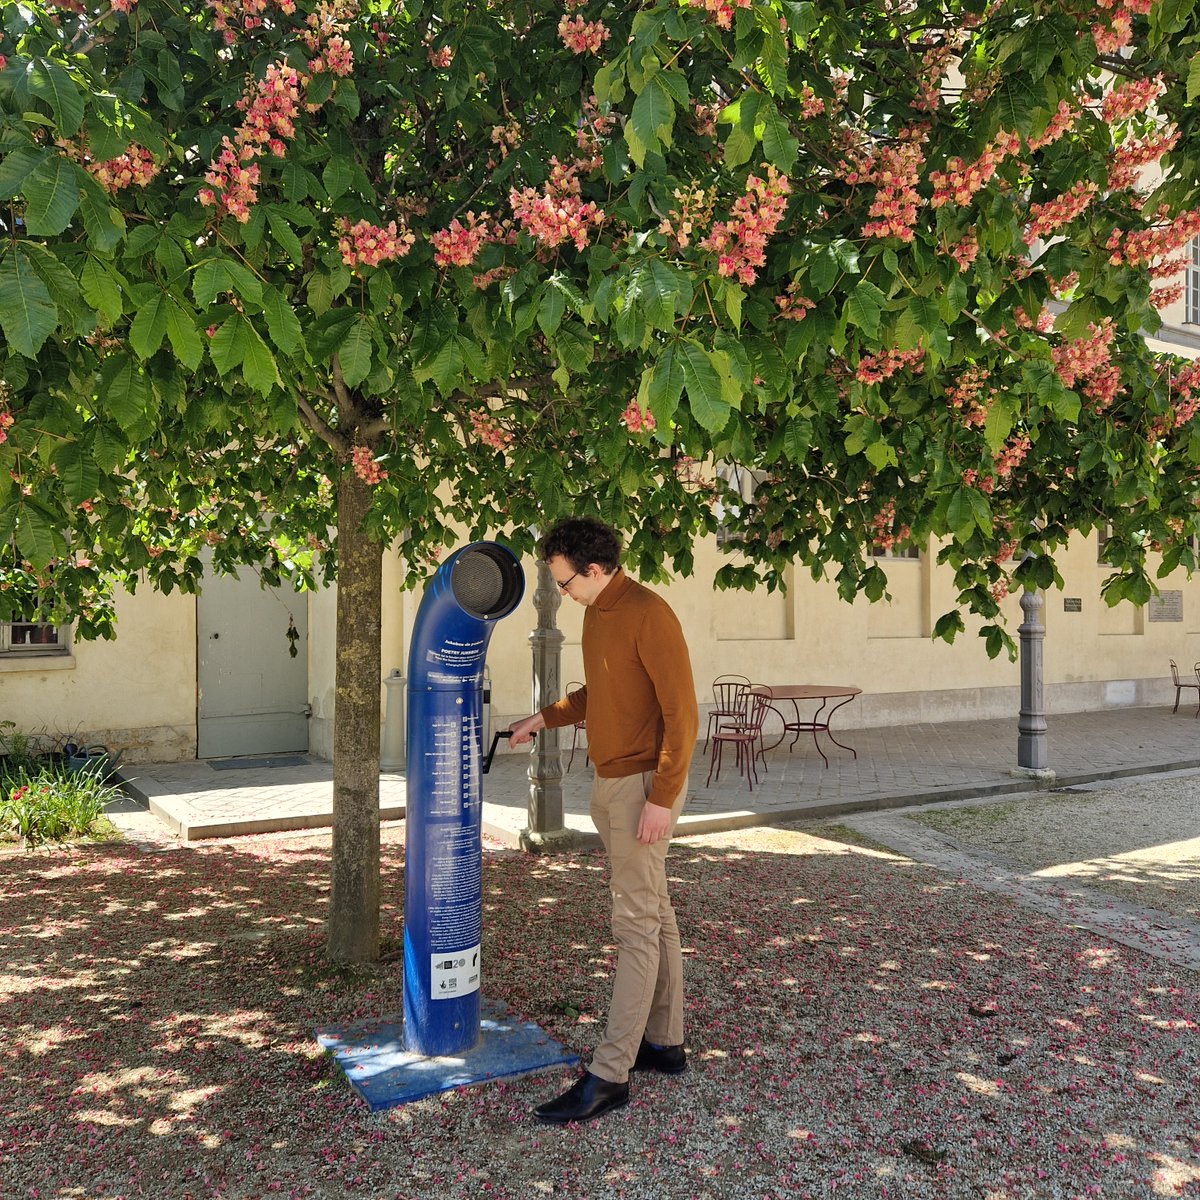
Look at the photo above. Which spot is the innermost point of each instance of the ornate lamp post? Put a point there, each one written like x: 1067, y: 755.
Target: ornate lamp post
x: 1031, y: 723
x: 545, y: 827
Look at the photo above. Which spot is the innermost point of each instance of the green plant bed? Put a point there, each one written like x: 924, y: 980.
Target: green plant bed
x: 48, y: 802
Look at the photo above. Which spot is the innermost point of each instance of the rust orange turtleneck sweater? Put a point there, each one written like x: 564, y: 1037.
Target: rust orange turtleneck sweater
x: 639, y: 701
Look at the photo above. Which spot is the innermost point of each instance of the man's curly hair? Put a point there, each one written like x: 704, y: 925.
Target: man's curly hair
x: 581, y: 541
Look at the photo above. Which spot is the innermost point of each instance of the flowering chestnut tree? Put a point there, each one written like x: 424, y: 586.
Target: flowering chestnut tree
x: 294, y: 279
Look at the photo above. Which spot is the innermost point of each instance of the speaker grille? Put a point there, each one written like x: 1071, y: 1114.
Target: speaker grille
x: 481, y: 584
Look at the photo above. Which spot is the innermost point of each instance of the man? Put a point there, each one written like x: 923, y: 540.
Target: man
x: 639, y: 702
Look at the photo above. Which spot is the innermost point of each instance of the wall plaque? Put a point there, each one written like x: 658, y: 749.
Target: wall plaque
x: 1072, y: 604
x: 1166, y: 606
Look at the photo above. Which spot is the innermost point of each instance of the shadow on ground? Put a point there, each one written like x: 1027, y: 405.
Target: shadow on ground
x: 858, y: 1026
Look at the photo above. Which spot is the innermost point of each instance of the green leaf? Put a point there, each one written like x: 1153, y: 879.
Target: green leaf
x: 773, y: 58
x: 320, y: 292
x: 444, y: 366
x: 1193, y: 78
x: 282, y: 322
x: 733, y: 297
x: 245, y: 283
x: 227, y: 347
x: 657, y: 290
x: 101, y: 291
x: 51, y: 83
x: 797, y: 440
x: 258, y: 363
x: 704, y: 388
x: 1014, y: 101
x: 967, y: 511
x: 665, y: 386
x: 27, y: 314
x: 354, y: 353
x: 860, y: 430
x: 474, y: 358
x: 346, y: 97
x: 881, y: 454
x: 739, y: 146
x: 863, y: 307
x: 551, y: 309
x: 183, y: 335
x: 908, y: 334
x: 35, y: 535
x: 575, y: 347
x: 609, y: 85
x: 285, y: 235
x: 997, y: 426
x: 948, y: 626
x: 215, y: 276
x: 337, y: 176
x: 778, y: 144
x: 62, y: 285
x: 169, y: 81
x: 211, y: 279
x: 51, y: 197
x: 123, y: 392
x: 78, y: 472
x: 108, y: 449
x: 925, y: 312
x: 653, y: 118
x: 105, y: 224
x: 149, y: 326
x: 823, y: 270
x: 17, y: 166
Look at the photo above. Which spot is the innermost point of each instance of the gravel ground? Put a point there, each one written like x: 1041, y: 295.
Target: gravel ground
x: 1138, y: 840
x: 859, y: 1026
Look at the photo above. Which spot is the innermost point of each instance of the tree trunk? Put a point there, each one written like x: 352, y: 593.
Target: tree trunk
x: 354, y: 885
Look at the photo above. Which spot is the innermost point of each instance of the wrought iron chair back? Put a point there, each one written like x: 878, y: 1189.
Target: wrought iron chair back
x: 729, y: 702
x: 1180, y: 685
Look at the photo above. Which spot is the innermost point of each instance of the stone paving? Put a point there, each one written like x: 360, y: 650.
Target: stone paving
x: 895, y: 766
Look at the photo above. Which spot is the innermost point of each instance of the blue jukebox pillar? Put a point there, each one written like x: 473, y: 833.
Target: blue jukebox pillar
x: 443, y: 899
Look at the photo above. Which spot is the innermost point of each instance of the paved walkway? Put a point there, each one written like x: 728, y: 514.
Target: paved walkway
x: 896, y: 766
x: 1175, y: 939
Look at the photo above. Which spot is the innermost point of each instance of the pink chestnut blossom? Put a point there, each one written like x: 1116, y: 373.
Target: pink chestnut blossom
x: 135, y: 168
x: 365, y: 466
x: 365, y: 245
x: 582, y: 37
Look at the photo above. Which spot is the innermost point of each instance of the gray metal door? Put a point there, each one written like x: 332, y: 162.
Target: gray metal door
x: 252, y: 695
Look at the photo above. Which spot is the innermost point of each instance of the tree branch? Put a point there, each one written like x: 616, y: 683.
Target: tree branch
x: 319, y: 426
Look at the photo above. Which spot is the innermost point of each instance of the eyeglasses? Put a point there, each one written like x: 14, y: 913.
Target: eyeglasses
x: 562, y: 584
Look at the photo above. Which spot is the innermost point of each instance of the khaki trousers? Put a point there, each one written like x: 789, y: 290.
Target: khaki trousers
x: 648, y: 986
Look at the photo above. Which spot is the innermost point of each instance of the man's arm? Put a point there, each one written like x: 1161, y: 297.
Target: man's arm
x: 664, y: 655
x: 570, y: 710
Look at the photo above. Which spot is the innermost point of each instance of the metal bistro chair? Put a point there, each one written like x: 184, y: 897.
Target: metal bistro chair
x: 574, y: 686
x: 745, y: 736
x: 1180, y: 685
x: 729, y: 702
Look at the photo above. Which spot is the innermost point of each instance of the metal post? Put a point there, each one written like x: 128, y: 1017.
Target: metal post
x: 1031, y: 724
x: 391, y: 757
x: 545, y: 768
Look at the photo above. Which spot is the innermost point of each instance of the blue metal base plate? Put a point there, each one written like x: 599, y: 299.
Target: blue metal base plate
x: 372, y: 1056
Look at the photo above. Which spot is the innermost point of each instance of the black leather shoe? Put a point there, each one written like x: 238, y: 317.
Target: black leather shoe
x: 669, y: 1060
x: 590, y: 1096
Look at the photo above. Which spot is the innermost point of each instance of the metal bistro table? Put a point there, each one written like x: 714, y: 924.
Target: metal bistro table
x: 822, y: 693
